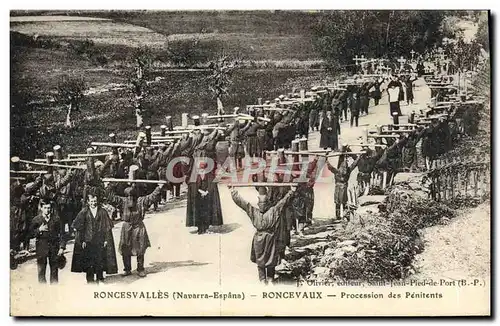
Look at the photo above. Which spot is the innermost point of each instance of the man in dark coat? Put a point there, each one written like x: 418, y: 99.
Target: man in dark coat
x: 343, y: 105
x: 94, y: 250
x: 330, y: 129
x: 409, y: 88
x: 270, y: 228
x: 364, y: 98
x: 376, y: 94
x: 313, y: 119
x: 355, y: 108
x: 134, y: 239
x: 48, y: 230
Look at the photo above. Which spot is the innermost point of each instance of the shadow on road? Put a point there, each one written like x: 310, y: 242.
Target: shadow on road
x: 156, y: 267
x: 220, y: 229
x: 226, y: 228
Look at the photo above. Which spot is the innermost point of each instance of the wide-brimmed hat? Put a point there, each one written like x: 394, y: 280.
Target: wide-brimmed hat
x: 61, y: 262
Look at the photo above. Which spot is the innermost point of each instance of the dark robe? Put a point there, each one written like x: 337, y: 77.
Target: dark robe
x: 401, y: 91
x: 269, y: 237
x: 329, y: 138
x: 94, y: 231
x: 211, y: 208
x: 253, y: 147
x: 364, y: 99
x: 409, y: 89
x: 430, y: 143
x: 376, y: 94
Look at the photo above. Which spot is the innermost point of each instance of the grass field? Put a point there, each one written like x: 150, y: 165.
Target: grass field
x: 262, y: 39
x: 262, y: 35
x: 40, y: 126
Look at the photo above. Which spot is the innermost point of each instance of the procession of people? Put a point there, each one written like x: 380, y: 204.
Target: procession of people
x: 83, y: 201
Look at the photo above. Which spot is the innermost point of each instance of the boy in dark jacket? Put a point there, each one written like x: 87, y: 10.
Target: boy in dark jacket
x: 48, y: 231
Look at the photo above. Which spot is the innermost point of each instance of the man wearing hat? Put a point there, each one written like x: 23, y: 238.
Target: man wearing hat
x: 134, y: 238
x: 270, y: 225
x: 50, y: 244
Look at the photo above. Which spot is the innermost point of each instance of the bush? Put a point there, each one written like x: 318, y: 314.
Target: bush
x: 391, y: 241
x: 482, y: 34
x: 83, y: 48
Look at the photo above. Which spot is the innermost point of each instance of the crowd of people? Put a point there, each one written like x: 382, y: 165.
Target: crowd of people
x: 65, y: 203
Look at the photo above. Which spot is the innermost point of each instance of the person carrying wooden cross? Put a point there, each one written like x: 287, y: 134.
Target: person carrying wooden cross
x: 134, y: 239
x: 341, y: 175
x: 366, y: 165
x: 409, y: 154
x: 271, y: 229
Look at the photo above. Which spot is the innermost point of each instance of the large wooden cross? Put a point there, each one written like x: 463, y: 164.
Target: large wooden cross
x: 359, y: 59
x: 401, y: 61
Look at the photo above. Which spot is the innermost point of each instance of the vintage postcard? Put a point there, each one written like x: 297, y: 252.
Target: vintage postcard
x: 250, y: 163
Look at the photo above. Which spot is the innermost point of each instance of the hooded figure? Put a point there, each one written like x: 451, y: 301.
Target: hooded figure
x: 366, y: 165
x: 134, y: 238
x: 270, y: 225
x: 94, y: 250
x: 342, y: 174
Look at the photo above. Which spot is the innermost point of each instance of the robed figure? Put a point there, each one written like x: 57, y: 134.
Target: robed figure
x: 94, y: 249
x: 204, y: 210
x: 270, y: 225
x: 330, y: 129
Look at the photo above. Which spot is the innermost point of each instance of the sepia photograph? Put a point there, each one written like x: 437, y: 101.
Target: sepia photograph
x: 250, y: 163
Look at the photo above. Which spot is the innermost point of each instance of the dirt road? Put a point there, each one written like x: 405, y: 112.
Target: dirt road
x: 222, y: 258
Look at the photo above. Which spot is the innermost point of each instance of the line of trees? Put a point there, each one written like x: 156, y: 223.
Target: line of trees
x: 341, y: 35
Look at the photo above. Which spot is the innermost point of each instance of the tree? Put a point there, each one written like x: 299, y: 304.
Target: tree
x: 143, y: 60
x: 464, y: 56
x: 219, y: 79
x: 70, y: 92
x: 482, y: 34
x: 341, y: 35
